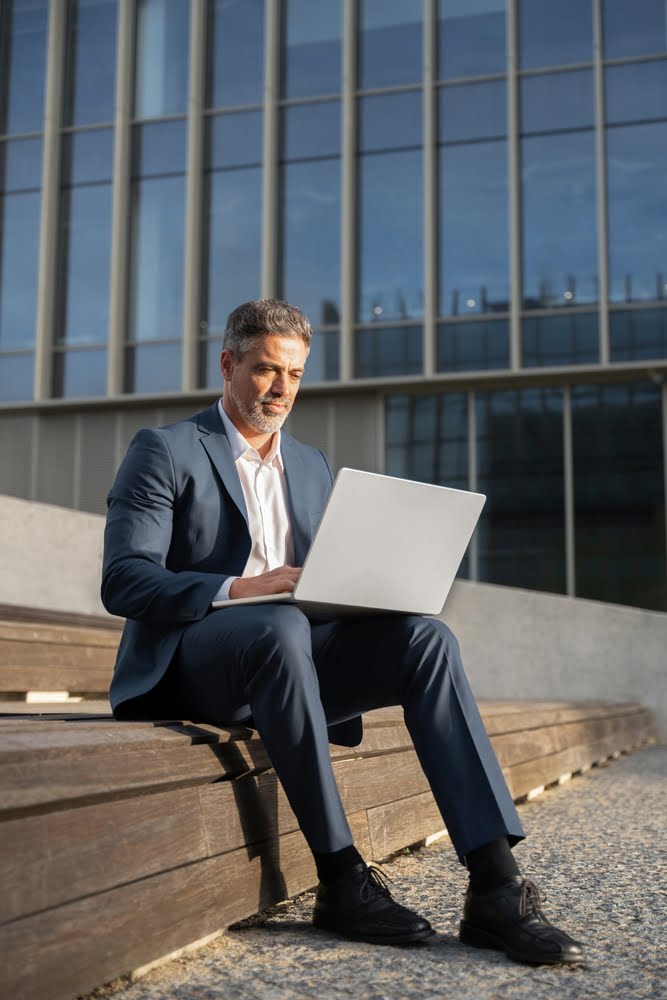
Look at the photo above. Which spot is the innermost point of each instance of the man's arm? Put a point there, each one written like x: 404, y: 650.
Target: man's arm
x: 135, y: 581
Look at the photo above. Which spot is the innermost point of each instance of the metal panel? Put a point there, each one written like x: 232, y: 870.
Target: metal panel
x: 132, y: 421
x: 97, y: 460
x: 355, y: 432
x: 309, y: 422
x: 55, y: 473
x: 15, y: 455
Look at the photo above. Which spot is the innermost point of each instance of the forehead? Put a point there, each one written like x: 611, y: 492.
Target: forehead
x: 277, y: 349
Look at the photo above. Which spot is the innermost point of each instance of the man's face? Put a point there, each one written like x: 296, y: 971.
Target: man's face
x: 261, y: 386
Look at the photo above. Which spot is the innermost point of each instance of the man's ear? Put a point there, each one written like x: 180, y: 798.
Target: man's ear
x: 226, y: 364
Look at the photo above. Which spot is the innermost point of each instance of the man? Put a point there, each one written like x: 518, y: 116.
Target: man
x: 225, y: 505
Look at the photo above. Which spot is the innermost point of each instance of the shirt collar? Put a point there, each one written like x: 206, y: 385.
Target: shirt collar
x: 240, y: 446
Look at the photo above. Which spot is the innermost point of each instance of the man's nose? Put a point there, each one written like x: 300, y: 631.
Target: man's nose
x: 279, y: 386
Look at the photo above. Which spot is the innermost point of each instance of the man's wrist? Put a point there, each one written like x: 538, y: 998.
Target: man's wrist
x: 223, y: 592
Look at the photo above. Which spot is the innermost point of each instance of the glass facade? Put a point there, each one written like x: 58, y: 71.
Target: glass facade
x: 446, y: 202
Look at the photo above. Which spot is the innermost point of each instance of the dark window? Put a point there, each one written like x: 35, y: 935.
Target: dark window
x: 472, y: 111
x: 84, y: 258
x: 19, y: 262
x: 161, y: 76
x: 159, y: 148
x: 312, y: 48
x: 236, y: 52
x: 521, y: 533
x: 16, y: 377
x: 619, y: 494
x: 388, y: 351
x: 473, y: 346
x: 88, y: 156
x: 556, y: 101
x: 636, y: 334
x: 23, y: 31
x: 79, y: 373
x: 636, y: 91
x: 91, y: 61
x: 234, y: 140
x: 322, y: 364
x: 471, y: 38
x: 390, y: 43
x: 555, y: 32
x: 20, y: 165
x: 634, y: 29
x: 390, y: 121
x: 310, y: 130
x: 153, y: 368
x: 568, y: 339
x: 427, y: 438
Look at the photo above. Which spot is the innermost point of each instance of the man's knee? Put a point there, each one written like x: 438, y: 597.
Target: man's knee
x: 280, y: 636
x: 431, y: 645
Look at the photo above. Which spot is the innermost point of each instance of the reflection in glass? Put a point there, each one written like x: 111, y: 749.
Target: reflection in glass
x: 79, y: 373
x: 472, y: 111
x: 85, y: 251
x: 161, y: 79
x: 322, y: 364
x: 555, y: 32
x: 473, y: 346
x: 19, y: 256
x: 557, y: 101
x: 153, y: 368
x: 310, y: 213
x: 388, y: 351
x: 559, y: 220
x: 636, y: 91
x: 23, y: 31
x: 473, y: 258
x: 312, y: 48
x: 637, y: 193
x: 91, y: 61
x: 636, y: 334
x: 471, y: 38
x: 156, y: 259
x: 427, y: 438
x: 22, y: 170
x: 234, y: 140
x: 634, y: 29
x: 88, y: 156
x: 567, y: 339
x: 390, y: 240
x: 16, y: 377
x: 521, y: 533
x: 310, y: 130
x: 390, y: 43
x: 210, y: 376
x: 390, y: 121
x: 235, y: 52
x: 619, y: 501
x: 233, y: 219
x: 158, y: 148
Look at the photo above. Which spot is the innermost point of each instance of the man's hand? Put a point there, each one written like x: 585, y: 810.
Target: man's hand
x: 276, y: 581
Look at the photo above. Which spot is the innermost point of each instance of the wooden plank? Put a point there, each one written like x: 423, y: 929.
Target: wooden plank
x: 51, y: 655
x: 401, y: 823
x: 59, y: 635
x: 94, y: 677
x: 20, y: 613
x: 99, y: 709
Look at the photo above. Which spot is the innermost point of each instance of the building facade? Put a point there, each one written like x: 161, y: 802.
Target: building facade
x: 467, y: 197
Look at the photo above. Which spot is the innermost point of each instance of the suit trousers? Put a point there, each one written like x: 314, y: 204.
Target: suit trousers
x: 298, y: 677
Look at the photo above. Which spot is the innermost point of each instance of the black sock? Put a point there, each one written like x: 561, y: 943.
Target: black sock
x: 331, y: 866
x: 491, y: 865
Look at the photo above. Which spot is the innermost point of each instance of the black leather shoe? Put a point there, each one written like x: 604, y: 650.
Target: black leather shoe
x: 511, y: 918
x: 359, y: 906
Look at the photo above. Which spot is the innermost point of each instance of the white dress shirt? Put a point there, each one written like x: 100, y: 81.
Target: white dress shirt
x: 265, y: 493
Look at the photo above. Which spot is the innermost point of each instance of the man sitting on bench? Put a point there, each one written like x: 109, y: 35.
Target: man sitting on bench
x: 224, y: 505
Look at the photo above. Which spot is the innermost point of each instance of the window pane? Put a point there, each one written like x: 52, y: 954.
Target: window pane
x: 471, y: 38
x: 637, y: 334
x: 474, y: 269
x: 312, y: 48
x: 634, y: 29
x: 619, y: 494
x: 556, y: 101
x: 311, y: 130
x: 555, y: 32
x: 232, y: 269
x: 91, y: 61
x: 472, y: 111
x: 636, y: 91
x: 22, y: 166
x: 390, y: 43
x: 637, y: 192
x: 390, y: 121
x: 521, y: 533
x: 79, y: 373
x: 16, y: 377
x: 473, y: 346
x: 210, y: 376
x: 427, y: 438
x: 85, y: 253
x: 161, y: 80
x: 236, y: 52
x: 322, y: 364
x: 23, y: 65
x: 158, y: 148
x: 559, y: 220
x: 153, y: 368
x: 19, y: 258
x: 390, y: 242
x: 568, y: 339
x: 310, y: 212
x: 388, y: 351
x: 88, y: 156
x: 234, y: 140
x: 156, y: 262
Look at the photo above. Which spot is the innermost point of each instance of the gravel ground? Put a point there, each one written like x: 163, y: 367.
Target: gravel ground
x: 597, y: 846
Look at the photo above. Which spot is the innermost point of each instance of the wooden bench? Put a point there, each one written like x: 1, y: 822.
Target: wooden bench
x: 122, y: 842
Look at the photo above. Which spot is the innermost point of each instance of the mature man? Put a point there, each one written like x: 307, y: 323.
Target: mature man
x: 224, y: 505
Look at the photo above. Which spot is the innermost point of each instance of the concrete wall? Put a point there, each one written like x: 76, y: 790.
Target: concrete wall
x: 516, y: 643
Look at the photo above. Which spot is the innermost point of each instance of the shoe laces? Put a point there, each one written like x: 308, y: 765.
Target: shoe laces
x: 531, y: 899
x: 374, y: 883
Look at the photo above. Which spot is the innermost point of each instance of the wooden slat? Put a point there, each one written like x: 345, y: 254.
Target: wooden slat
x: 398, y: 824
x: 57, y: 635
x: 19, y: 613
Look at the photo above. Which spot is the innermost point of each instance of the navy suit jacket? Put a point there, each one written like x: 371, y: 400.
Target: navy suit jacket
x: 177, y: 528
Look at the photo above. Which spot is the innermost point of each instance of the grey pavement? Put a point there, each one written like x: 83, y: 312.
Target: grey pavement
x: 597, y: 846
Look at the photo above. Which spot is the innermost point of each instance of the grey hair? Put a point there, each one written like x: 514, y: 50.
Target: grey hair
x: 262, y: 316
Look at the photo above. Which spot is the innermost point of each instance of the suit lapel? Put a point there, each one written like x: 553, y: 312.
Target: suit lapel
x: 219, y: 451
x: 296, y: 475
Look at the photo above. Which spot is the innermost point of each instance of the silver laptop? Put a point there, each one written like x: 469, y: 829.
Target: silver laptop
x: 383, y: 544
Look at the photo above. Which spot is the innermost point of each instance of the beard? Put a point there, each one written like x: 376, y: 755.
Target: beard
x: 255, y: 415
